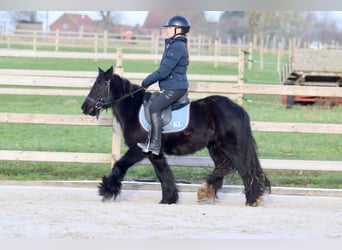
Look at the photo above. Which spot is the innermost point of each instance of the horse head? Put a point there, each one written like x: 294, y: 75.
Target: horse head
x: 99, y: 94
x: 108, y: 89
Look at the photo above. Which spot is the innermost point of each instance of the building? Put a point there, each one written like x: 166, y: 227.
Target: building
x: 73, y: 23
x: 28, y: 25
x: 83, y: 23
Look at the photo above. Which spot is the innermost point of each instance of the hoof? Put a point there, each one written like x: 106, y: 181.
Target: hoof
x: 257, y: 203
x: 108, y: 198
x: 108, y: 189
x: 207, y: 202
x: 206, y: 193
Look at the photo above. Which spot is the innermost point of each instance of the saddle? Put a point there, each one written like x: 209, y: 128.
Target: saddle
x: 174, y: 118
x: 166, y: 113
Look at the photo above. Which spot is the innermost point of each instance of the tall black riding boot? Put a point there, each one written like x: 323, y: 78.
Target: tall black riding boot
x: 154, y: 144
x: 156, y: 130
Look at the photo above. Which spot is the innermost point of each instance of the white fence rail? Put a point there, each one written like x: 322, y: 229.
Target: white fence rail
x: 83, y: 80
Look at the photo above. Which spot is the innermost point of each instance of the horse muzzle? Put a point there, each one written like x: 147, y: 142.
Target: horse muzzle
x: 88, y: 109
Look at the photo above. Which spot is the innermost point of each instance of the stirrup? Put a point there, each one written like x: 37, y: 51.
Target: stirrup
x: 143, y: 146
x: 154, y: 152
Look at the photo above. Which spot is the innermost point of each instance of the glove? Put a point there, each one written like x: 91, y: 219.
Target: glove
x: 145, y: 85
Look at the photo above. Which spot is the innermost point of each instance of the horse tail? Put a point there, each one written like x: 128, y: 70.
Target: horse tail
x: 255, y: 180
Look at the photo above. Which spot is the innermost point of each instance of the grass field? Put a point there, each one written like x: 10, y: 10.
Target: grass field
x: 98, y: 139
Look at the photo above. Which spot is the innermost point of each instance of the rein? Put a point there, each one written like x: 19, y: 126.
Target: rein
x: 101, y: 102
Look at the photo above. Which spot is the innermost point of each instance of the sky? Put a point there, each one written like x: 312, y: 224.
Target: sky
x: 127, y: 17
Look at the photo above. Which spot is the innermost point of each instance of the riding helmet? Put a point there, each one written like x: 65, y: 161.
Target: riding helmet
x: 179, y: 22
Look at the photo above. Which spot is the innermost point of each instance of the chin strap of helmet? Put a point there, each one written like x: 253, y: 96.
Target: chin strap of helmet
x: 175, y: 33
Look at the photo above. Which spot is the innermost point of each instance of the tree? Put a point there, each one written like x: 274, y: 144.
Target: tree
x: 233, y: 25
x: 275, y: 25
x: 28, y: 16
x: 109, y: 19
x: 324, y: 29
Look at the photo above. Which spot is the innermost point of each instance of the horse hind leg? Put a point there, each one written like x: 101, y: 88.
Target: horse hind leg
x: 214, y: 181
x: 255, y: 186
x: 227, y: 160
x: 254, y: 179
x: 206, y: 193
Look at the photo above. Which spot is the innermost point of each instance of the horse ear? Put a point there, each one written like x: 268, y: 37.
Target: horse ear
x: 100, y: 70
x: 109, y: 73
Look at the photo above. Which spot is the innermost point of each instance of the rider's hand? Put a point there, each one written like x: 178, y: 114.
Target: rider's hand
x: 145, y: 85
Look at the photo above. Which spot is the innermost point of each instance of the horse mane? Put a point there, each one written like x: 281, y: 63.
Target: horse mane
x: 127, y: 86
x: 128, y: 98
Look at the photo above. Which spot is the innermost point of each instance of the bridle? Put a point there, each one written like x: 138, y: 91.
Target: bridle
x: 101, y: 103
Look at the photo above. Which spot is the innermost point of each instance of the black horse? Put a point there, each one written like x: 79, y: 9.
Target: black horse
x: 216, y: 122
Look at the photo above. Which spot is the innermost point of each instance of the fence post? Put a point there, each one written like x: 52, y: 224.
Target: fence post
x: 279, y: 56
x: 241, y: 69
x: 116, y: 129
x: 105, y: 41
x: 261, y: 51
x: 34, y: 41
x: 199, y: 44
x: 118, y: 67
x: 250, y: 55
x: 229, y: 44
x: 57, y: 40
x: 8, y: 40
x: 156, y: 47
x: 96, y: 44
x: 216, y: 52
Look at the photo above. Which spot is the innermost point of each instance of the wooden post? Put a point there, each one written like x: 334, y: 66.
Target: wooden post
x: 261, y: 57
x: 57, y: 40
x: 34, y: 45
x: 105, y: 41
x: 267, y: 43
x: 250, y: 55
x: 118, y: 67
x: 156, y: 47
x: 241, y: 69
x: 274, y: 45
x: 215, y: 53
x: 116, y: 129
x: 199, y: 44
x: 229, y: 46
x: 290, y: 50
x: 279, y: 57
x: 96, y: 43
x: 116, y: 141
x: 8, y: 39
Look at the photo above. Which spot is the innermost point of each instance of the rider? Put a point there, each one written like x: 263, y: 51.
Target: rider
x: 172, y: 78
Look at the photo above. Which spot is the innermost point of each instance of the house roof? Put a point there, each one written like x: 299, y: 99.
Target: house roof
x: 77, y: 19
x: 156, y: 19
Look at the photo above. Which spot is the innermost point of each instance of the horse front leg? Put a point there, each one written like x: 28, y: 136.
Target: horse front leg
x: 111, y: 185
x: 166, y: 178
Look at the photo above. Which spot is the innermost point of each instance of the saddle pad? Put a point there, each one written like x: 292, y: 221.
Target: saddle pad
x: 179, y: 120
